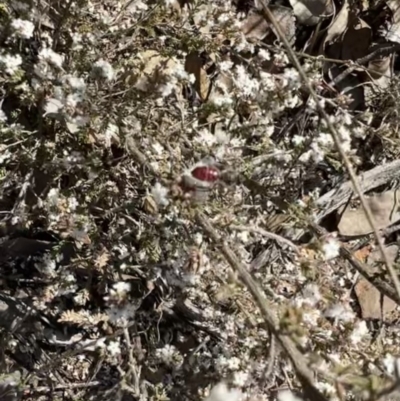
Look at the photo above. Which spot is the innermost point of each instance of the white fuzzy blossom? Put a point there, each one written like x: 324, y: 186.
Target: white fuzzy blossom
x: 359, y: 332
x: 391, y: 364
x: 159, y: 194
x: 331, y: 249
x: 287, y: 395
x: 10, y: 63
x: 221, y: 392
x: 51, y: 57
x: 339, y: 312
x: 167, y: 354
x: 22, y: 28
x: 114, y: 348
x: 104, y: 69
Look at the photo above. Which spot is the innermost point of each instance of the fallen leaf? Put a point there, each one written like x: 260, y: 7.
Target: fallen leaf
x: 286, y: 20
x: 310, y: 12
x: 369, y: 299
x: 391, y: 252
x: 254, y: 26
x: 384, y: 208
x: 393, y: 33
x: 151, y: 66
x: 194, y: 65
x: 363, y: 253
x: 337, y: 27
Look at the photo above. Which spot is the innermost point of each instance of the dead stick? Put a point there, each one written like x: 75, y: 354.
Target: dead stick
x: 268, y: 312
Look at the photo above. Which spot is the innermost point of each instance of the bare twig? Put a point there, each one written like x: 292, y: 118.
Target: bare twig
x: 376, y: 280
x: 267, y: 234
x: 353, y: 178
x: 268, y: 312
x: 133, y: 368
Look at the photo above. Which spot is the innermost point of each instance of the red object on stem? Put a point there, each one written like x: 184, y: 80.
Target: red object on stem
x: 206, y: 173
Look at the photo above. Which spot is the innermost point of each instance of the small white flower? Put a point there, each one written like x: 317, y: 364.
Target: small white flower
x: 233, y: 363
x: 220, y: 392
x: 3, y: 117
x: 47, y: 265
x: 23, y: 28
x: 113, y: 348
x: 159, y: 194
x: 166, y: 354
x: 10, y: 63
x: 51, y: 57
x: 287, y: 395
x: 340, y: 313
x: 225, y: 65
x: 53, y: 196
x: 240, y: 379
x: 205, y: 137
x: 104, y: 69
x: 331, y: 249
x: 311, y: 294
x: 122, y: 287
x: 298, y: 140
x: 264, y: 54
x: 359, y: 332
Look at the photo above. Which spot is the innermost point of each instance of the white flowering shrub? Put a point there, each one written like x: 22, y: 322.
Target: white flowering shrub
x: 119, y: 122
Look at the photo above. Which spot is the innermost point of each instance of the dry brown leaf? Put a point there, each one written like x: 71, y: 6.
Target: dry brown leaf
x: 151, y: 65
x: 363, y: 253
x: 286, y: 20
x: 376, y: 256
x: 384, y: 208
x: 393, y: 33
x: 356, y: 40
x: 337, y: 27
x: 369, y: 299
x: 254, y: 26
x: 194, y: 65
x: 310, y: 12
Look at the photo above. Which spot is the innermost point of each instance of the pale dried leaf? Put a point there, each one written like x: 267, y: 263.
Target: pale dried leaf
x: 393, y: 33
x: 338, y: 25
x: 384, y: 208
x: 254, y: 26
x: 286, y: 20
x: 200, y: 19
x: 310, y: 12
x: 151, y: 65
x: 194, y: 65
x: 369, y: 298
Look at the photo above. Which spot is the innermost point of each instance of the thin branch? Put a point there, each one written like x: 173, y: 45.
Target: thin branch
x: 270, y: 17
x: 268, y: 312
x: 267, y: 234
